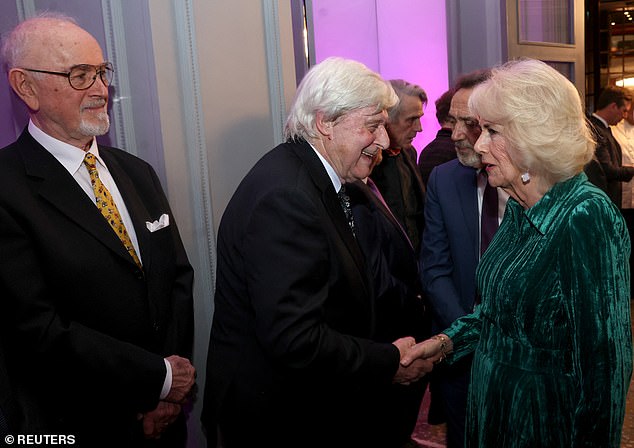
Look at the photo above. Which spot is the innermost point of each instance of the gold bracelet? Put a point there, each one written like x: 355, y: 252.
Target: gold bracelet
x: 443, y: 346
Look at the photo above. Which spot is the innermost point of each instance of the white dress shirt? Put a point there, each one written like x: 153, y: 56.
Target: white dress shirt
x: 624, y: 134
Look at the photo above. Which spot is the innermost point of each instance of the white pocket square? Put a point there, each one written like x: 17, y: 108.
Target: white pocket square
x: 161, y: 223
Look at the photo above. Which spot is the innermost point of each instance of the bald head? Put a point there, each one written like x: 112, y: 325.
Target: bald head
x: 43, y: 40
x: 40, y: 54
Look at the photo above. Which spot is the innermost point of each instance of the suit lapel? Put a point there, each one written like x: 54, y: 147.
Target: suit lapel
x: 466, y: 185
x: 616, y: 152
x: 614, y: 148
x: 55, y: 185
x: 379, y: 203
x: 331, y: 202
x: 410, y: 159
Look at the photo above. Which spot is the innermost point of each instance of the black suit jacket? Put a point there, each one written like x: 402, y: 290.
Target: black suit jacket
x: 400, y: 308
x: 86, y: 330
x: 440, y: 150
x: 8, y: 410
x: 394, y: 266
x: 291, y: 359
x: 399, y: 181
x: 609, y: 174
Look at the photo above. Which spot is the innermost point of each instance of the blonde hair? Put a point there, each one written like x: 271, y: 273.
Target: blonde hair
x: 542, y: 116
x: 334, y: 87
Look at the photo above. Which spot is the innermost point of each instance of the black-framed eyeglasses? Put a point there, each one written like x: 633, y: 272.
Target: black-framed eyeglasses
x: 83, y: 76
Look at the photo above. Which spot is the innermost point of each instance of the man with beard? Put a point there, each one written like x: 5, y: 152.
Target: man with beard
x: 452, y: 245
x: 96, y: 312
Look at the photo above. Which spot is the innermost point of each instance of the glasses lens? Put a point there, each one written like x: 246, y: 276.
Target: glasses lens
x: 107, y: 73
x: 83, y: 76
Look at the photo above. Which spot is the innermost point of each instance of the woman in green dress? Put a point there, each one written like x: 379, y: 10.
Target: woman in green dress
x: 552, y: 337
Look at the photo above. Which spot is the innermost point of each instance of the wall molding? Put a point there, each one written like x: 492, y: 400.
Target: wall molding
x: 196, y: 151
x: 122, y: 116
x: 274, y: 68
x: 26, y: 9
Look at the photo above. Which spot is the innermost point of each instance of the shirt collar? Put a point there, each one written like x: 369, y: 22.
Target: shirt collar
x: 69, y: 156
x: 336, y: 182
x: 546, y: 210
x: 605, y: 123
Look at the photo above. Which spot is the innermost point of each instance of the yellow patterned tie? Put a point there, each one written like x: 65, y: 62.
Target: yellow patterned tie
x: 107, y: 207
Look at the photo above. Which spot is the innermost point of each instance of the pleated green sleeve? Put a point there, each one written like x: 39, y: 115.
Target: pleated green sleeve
x: 596, y: 301
x: 465, y: 335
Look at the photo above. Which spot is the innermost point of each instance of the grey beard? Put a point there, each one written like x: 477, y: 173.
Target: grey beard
x: 473, y: 159
x: 93, y: 129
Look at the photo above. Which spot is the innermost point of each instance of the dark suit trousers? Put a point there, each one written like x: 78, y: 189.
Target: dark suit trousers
x: 453, y: 382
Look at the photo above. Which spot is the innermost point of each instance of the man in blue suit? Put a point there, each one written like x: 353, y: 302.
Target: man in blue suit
x: 450, y: 250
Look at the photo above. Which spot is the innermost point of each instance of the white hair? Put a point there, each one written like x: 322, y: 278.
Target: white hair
x: 334, y: 87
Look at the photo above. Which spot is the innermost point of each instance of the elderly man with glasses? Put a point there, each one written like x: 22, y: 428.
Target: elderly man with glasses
x: 96, y: 287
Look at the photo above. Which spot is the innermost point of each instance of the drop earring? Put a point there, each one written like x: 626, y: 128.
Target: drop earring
x: 526, y: 177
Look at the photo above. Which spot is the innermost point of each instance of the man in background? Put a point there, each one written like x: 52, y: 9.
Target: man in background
x: 623, y: 132
x: 452, y: 245
x: 397, y: 176
x: 96, y: 311
x: 399, y: 303
x: 441, y: 149
x: 607, y: 170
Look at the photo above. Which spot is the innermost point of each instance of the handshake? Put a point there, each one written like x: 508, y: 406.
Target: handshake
x: 419, y: 359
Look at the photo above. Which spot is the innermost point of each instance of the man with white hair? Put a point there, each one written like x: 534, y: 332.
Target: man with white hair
x: 293, y: 359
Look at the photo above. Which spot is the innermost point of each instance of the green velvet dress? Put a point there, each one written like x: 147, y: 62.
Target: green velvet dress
x: 552, y: 337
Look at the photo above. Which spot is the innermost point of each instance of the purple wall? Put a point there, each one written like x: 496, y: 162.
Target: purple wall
x: 398, y: 38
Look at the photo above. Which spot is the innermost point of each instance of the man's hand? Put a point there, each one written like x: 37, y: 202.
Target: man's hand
x: 433, y: 349
x: 183, y: 378
x: 404, y: 344
x: 407, y: 374
x: 412, y: 373
x: 156, y: 422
